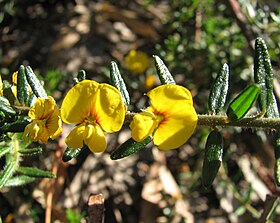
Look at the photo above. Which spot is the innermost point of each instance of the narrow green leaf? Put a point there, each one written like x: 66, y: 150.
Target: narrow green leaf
x: 218, y: 93
x: 81, y: 75
x: 118, y: 82
x: 7, y: 109
x: 31, y: 151
x: 34, y: 172
x: 264, y: 74
x: 130, y: 147
x: 17, y: 126
x: 22, y: 86
x: 4, y: 150
x: 212, y: 158
x: 260, y: 73
x: 239, y: 107
x: 163, y: 72
x: 70, y: 153
x: 4, y: 100
x: 19, y: 181
x: 7, y: 173
x: 34, y: 83
x: 8, y: 93
x: 31, y: 100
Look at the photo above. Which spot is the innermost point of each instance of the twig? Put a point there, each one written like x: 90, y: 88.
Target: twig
x: 269, y: 206
x: 50, y: 194
x: 214, y: 121
x: 96, y: 208
x: 250, y: 122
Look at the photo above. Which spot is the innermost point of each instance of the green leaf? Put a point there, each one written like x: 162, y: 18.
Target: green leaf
x: 31, y: 151
x: 4, y: 150
x: 4, y: 100
x: 212, y: 158
x: 34, y: 172
x: 70, y: 153
x: 17, y: 126
x: 7, y: 173
x: 130, y: 147
x: 81, y: 75
x: 163, y: 72
x: 19, y: 181
x: 22, y: 86
x: 260, y: 73
x: 8, y: 93
x: 31, y: 100
x: 118, y: 82
x: 7, y: 109
x: 263, y: 74
x: 34, y: 83
x: 219, y: 90
x: 239, y: 107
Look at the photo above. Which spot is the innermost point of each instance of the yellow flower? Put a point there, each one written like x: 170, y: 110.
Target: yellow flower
x: 46, y: 122
x: 137, y: 61
x: 150, y: 81
x: 95, y: 108
x: 14, y: 81
x: 171, y: 118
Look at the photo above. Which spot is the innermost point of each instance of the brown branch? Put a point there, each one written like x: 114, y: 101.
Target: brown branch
x: 96, y: 208
x: 242, y: 22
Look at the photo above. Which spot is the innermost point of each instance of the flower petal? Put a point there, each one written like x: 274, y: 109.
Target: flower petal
x: 42, y: 108
x: 79, y: 102
x: 142, y: 126
x: 174, y: 131
x: 54, y: 124
x: 36, y: 131
x: 75, y: 138
x: 170, y: 98
x: 94, y: 138
x: 109, y: 108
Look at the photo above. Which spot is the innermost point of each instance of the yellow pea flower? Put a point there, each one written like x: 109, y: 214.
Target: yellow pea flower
x: 46, y: 122
x: 14, y: 82
x: 137, y: 61
x: 171, y: 118
x: 94, y: 108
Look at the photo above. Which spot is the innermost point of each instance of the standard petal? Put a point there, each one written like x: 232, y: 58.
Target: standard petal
x: 75, y: 138
x: 110, y: 109
x: 173, y: 132
x: 170, y: 99
x: 95, y: 138
x: 79, y: 102
x: 42, y: 108
x: 142, y: 126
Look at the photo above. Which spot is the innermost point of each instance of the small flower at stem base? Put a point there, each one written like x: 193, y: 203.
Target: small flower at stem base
x: 46, y: 122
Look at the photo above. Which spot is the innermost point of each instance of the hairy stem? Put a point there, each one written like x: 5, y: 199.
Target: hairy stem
x: 214, y: 121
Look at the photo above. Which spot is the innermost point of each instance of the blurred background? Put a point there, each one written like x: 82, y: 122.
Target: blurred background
x: 194, y: 39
